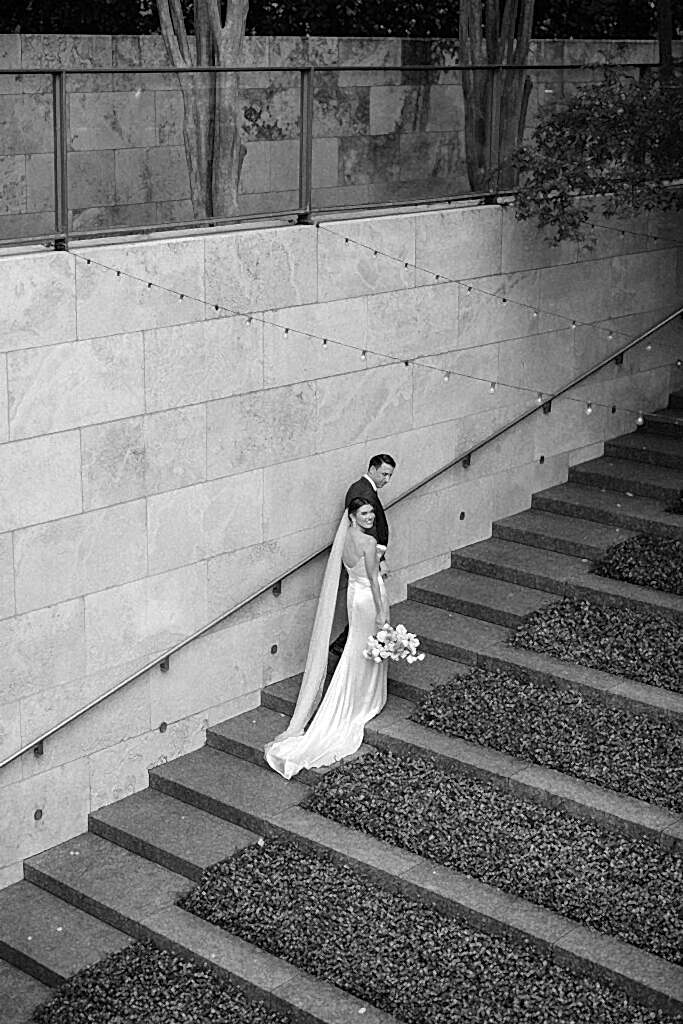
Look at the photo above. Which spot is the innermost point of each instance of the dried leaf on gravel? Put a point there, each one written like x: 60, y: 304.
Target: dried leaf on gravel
x: 618, y: 884
x: 635, y: 754
x: 146, y: 985
x: 646, y: 561
x: 642, y: 646
x: 405, y: 957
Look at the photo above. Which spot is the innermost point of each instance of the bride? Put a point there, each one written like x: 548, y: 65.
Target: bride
x: 358, y: 689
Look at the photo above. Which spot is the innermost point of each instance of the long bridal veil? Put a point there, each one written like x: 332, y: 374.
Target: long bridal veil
x: 318, y: 648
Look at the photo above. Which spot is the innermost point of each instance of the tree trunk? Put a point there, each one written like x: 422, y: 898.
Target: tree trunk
x: 495, y: 101
x: 211, y: 121
x: 665, y: 34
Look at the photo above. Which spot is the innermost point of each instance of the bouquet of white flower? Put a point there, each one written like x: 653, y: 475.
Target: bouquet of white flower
x: 394, y: 642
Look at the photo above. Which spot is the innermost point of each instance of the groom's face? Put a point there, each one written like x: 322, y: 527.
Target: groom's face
x: 381, y: 475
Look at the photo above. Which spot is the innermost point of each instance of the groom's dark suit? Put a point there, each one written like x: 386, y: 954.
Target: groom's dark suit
x: 363, y: 489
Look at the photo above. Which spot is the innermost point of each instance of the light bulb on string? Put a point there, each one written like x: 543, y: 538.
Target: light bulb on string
x: 181, y: 297
x: 539, y: 398
x: 535, y: 313
x: 573, y: 325
x: 589, y: 408
x: 610, y: 335
x: 648, y: 347
x: 324, y: 342
x: 469, y: 289
x: 149, y: 285
x: 447, y: 375
x: 492, y: 387
x: 679, y: 363
x: 364, y: 355
x: 640, y: 419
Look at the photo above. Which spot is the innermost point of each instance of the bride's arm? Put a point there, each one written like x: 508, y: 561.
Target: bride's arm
x: 371, y: 558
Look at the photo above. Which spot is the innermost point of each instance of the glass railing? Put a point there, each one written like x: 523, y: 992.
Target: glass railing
x: 117, y: 151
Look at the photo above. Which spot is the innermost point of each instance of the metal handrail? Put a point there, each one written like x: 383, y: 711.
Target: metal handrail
x: 463, y: 458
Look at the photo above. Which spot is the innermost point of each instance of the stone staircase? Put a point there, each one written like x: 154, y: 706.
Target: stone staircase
x: 119, y: 882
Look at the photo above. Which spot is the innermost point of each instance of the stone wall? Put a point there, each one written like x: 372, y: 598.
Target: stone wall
x: 159, y: 461
x: 378, y: 135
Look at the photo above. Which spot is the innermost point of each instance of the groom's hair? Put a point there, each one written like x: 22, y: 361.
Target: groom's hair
x: 377, y: 460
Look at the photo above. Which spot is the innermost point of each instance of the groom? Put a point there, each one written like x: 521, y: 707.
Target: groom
x: 380, y: 472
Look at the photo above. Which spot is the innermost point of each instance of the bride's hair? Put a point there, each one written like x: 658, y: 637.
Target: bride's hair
x: 357, y: 503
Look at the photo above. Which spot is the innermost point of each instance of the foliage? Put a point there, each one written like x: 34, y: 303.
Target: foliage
x: 641, y: 646
x: 616, y: 143
x: 620, y: 885
x: 142, y: 984
x: 405, y: 957
x: 562, y: 729
x: 555, y: 19
x: 655, y: 562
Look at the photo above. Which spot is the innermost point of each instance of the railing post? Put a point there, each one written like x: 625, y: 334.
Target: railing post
x: 494, y: 127
x: 60, y: 158
x: 306, y: 146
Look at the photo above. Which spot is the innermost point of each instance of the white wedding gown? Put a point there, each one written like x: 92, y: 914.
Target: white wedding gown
x: 357, y: 691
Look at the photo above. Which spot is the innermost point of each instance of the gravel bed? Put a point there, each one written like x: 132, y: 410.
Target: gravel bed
x: 410, y: 960
x: 655, y: 562
x: 642, y: 646
x: 146, y: 985
x: 620, y: 885
x: 605, y: 744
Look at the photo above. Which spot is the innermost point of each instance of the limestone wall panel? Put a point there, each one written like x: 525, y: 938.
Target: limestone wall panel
x: 289, y: 630
x: 321, y: 479
x: 643, y: 279
x: 39, y: 480
x: 10, y: 740
x: 578, y: 290
x: 144, y: 618
x: 346, y: 270
x: 467, y: 389
x: 256, y: 270
x: 108, y: 304
x: 524, y: 248
x: 289, y: 358
x: 260, y: 428
x: 111, y: 120
x: 203, y: 361
x: 360, y: 406
x: 130, y: 458
x: 12, y: 184
x: 39, y: 301
x: 4, y: 420
x: 70, y: 385
x: 63, y: 798
x: 123, y: 715
x: 460, y: 243
x: 7, y: 606
x: 155, y: 174
x: 197, y: 522
x: 41, y: 649
x: 222, y: 666
x: 80, y: 555
x: 25, y: 124
x: 236, y: 575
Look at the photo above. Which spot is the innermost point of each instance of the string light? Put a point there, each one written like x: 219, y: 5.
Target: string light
x: 407, y: 362
x: 181, y: 297
x: 648, y: 347
x: 640, y: 419
x: 610, y: 335
x: 573, y: 325
x: 535, y: 314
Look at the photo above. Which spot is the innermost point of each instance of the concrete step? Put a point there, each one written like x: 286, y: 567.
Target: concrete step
x: 476, y: 642
x: 168, y: 832
x: 245, y: 736
x: 655, y: 449
x: 20, y: 994
x: 471, y: 594
x: 562, y: 575
x: 628, y: 477
x: 121, y: 886
x: 668, y: 422
x: 50, y: 939
x: 208, y: 778
x: 642, y: 515
x: 580, y: 538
